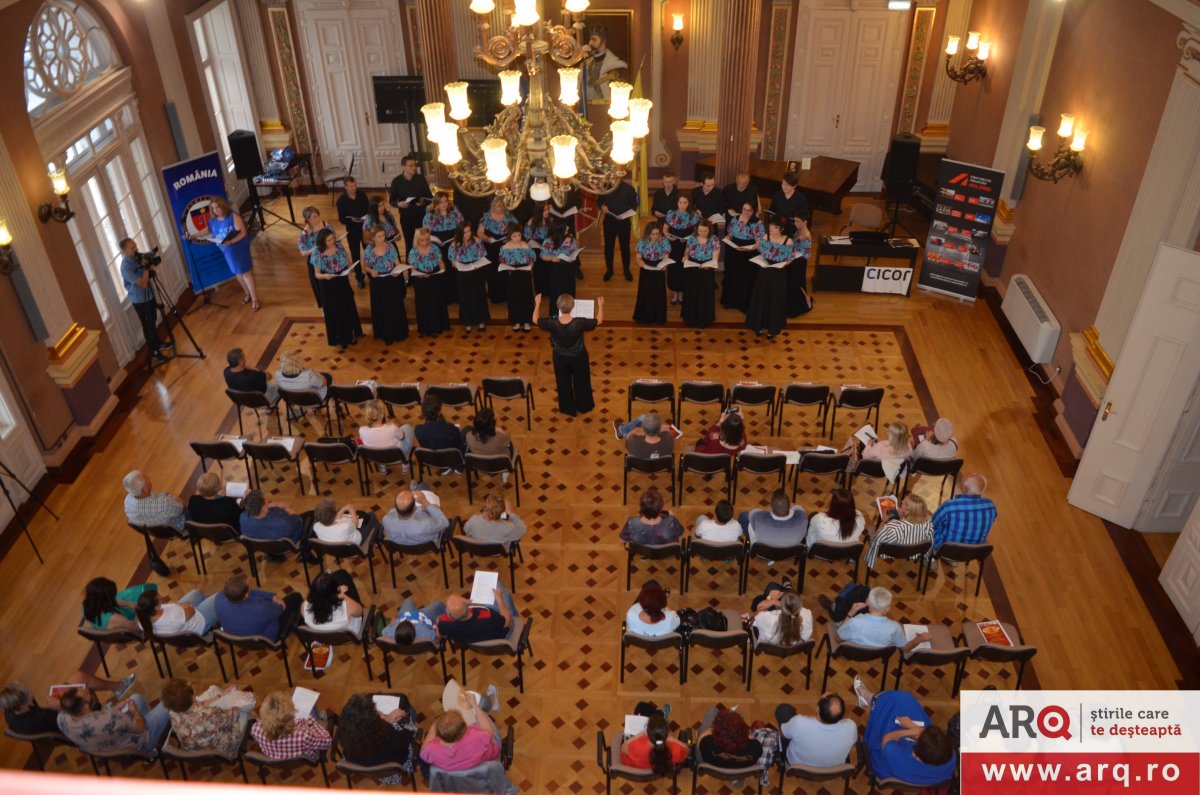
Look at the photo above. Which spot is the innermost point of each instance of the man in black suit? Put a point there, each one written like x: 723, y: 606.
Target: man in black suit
x: 738, y: 193
x: 351, y: 207
x: 666, y: 199
x: 622, y: 200
x: 706, y: 199
x: 410, y: 194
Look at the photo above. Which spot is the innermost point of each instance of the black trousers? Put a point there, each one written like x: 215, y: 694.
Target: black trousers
x: 409, y: 224
x: 574, y: 378
x: 147, y: 313
x: 354, y: 238
x: 615, y: 228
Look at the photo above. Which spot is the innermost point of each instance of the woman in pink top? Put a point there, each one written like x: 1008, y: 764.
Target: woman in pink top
x: 891, y: 453
x: 379, y: 433
x: 455, y: 745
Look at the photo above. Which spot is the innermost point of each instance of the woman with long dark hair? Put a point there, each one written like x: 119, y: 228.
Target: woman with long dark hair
x: 727, y: 436
x: 194, y: 613
x: 680, y: 223
x: 464, y: 255
x: 484, y: 438
x: 699, y: 268
x: 767, y: 311
x: 332, y: 265
x: 105, y: 607
x: 536, y: 232
x: 308, y: 245
x: 841, y: 521
x: 493, y: 231
x: 380, y: 217
x: 780, y: 617
x: 381, y: 262
x: 370, y: 738
x: 333, y: 603
x: 561, y: 253
x: 516, y: 259
x: 742, y: 234
x: 428, y: 271
x: 799, y: 301
x: 652, y: 249
x: 654, y: 749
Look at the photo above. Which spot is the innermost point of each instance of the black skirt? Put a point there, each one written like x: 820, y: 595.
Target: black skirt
x: 316, y: 284
x: 449, y: 285
x: 432, y: 317
x: 698, y: 299
x: 472, y: 297
x: 342, y: 326
x: 735, y: 287
x: 798, y: 302
x: 651, y: 306
x: 497, y: 281
x: 389, y: 319
x: 541, y: 275
x: 675, y: 269
x: 562, y: 280
x: 768, y: 303
x: 520, y: 296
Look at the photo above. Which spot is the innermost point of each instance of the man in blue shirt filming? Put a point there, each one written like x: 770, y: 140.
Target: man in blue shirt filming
x: 141, y: 294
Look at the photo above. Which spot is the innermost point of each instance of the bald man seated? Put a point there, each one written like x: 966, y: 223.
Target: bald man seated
x: 464, y: 622
x: 417, y: 517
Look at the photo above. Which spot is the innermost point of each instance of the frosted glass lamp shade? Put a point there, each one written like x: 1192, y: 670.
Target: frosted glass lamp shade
x: 58, y: 181
x: 618, y: 104
x: 435, y: 119
x: 973, y: 40
x: 448, y: 153
x: 1066, y: 125
x: 539, y: 191
x: 568, y: 86
x: 460, y: 109
x: 563, y: 147
x: 622, y: 142
x: 985, y: 50
x: 1078, y: 142
x: 526, y: 13
x: 639, y: 117
x: 5, y: 235
x: 1035, y: 138
x: 510, y: 87
x: 495, y: 157
x: 483, y: 6
x: 952, y: 45
x: 577, y: 6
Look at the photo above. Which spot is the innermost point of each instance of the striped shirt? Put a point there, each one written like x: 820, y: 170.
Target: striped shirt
x: 899, y: 531
x: 966, y: 519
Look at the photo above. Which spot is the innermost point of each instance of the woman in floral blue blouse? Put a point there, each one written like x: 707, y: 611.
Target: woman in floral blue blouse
x: 536, y: 231
x: 493, y: 231
x: 428, y: 271
x: 308, y: 245
x: 743, y: 230
x: 681, y: 222
x: 331, y: 264
x: 379, y: 216
x: 443, y: 222
x: 464, y: 252
x: 380, y: 261
x: 653, y: 248
x: 518, y: 256
x: 767, y: 312
x: 698, y: 286
x: 560, y: 250
x: 799, y: 301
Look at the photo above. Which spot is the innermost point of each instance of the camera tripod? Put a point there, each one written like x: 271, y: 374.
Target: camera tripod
x: 5, y: 472
x: 167, y: 310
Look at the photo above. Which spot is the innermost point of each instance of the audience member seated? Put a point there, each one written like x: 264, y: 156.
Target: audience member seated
x: 840, y: 522
x: 940, y: 444
x: 209, y: 506
x: 241, y: 378
x: 105, y: 607
x: 333, y: 603
x: 724, y: 740
x: 866, y: 622
x: 653, y: 749
x: 483, y: 438
x: 968, y: 517
x: 903, y: 741
x: 652, y: 525
x: 270, y: 521
x: 412, y: 625
x: 280, y: 735
x: 458, y: 745
x: 201, y: 726
x: 911, y: 525
x: 195, y: 613
x: 645, y: 436
x: 821, y: 741
x: 464, y: 622
x: 23, y: 715
x: 417, y: 517
x: 649, y: 614
x: 378, y: 433
x: 784, y: 525
x: 780, y: 618
x: 368, y: 737
x: 335, y: 526
x: 727, y: 435
x: 435, y: 433
x: 247, y: 612
x: 893, y: 452
x: 496, y: 522
x: 128, y: 725
x: 722, y: 527
x: 145, y: 507
x: 293, y: 376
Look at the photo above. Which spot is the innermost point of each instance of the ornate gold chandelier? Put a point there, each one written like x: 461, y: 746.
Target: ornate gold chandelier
x: 543, y: 146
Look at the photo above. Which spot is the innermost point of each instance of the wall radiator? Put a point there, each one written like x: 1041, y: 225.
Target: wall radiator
x: 1031, y: 319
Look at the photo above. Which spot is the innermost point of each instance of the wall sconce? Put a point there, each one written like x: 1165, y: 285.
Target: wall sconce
x: 1068, y: 160
x: 975, y: 67
x: 63, y: 212
x: 677, y: 26
x: 8, y: 260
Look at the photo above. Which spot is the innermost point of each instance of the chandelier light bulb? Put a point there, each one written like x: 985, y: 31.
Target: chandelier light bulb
x: 495, y: 157
x: 577, y: 6
x: 526, y: 14
x: 448, y: 153
x: 952, y: 45
x: 563, y: 147
x: 677, y: 22
x: 510, y: 87
x: 618, y: 105
x: 639, y: 116
x: 1077, y: 143
x: 985, y: 50
x: 1066, y: 125
x: 483, y: 6
x: 1035, y: 138
x: 622, y: 142
x: 5, y: 235
x: 460, y: 109
x: 540, y: 191
x: 435, y: 119
x: 568, y: 85
x: 973, y: 40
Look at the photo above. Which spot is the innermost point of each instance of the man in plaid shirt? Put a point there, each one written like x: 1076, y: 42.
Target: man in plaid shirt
x: 145, y: 508
x: 968, y: 517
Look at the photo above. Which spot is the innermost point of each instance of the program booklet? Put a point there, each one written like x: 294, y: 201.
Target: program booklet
x: 866, y: 434
x: 305, y: 701
x: 284, y: 441
x: 886, y: 504
x: 236, y: 441
x: 994, y: 634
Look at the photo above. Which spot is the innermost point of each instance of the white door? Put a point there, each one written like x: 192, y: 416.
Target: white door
x: 1175, y: 490
x: 1180, y: 578
x: 20, y: 452
x: 846, y: 70
x: 1150, y: 386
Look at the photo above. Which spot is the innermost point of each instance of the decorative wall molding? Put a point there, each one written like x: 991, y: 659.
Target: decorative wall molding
x: 170, y: 70
x: 1189, y: 47
x: 701, y: 136
x: 254, y: 45
x: 914, y: 78
x: 941, y: 103
x: 414, y: 29
x: 777, y: 65
x: 659, y: 155
x: 285, y: 59
x: 704, y: 71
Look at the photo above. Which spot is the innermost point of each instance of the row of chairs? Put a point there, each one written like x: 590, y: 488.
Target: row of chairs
x: 827, y: 401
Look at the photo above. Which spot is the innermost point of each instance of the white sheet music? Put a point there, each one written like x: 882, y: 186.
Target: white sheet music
x: 305, y: 701
x: 472, y: 266
x: 584, y: 308
x: 386, y: 704
x: 761, y: 261
x: 635, y: 725
x: 483, y: 588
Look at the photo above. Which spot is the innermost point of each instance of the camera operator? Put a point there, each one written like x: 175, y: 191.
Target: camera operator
x: 136, y: 274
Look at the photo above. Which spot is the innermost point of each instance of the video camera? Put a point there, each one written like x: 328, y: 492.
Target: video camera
x: 148, y: 259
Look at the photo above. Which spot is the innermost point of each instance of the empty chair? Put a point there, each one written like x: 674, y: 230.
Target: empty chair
x: 218, y: 534
x: 399, y: 396
x: 256, y: 643
x: 495, y: 465
x: 959, y: 553
x: 269, y: 546
x: 899, y: 552
x: 456, y: 396
x: 256, y: 402
x: 713, y: 551
x: 708, y: 465
x: 771, y: 464
x: 341, y: 637
x: 510, y: 388
x: 934, y: 467
x: 804, y: 394
x: 648, y: 466
x: 872, y: 469
x: 846, y: 771
x: 793, y: 554
x: 450, y: 458
x: 671, y: 640
x: 649, y: 390
x: 516, y: 645
x: 467, y: 546
x: 304, y: 402
x: 673, y: 551
x: 760, y: 647
x: 831, y: 552
x: 344, y: 395
x: 333, y: 454
x: 751, y: 394
x: 813, y: 463
x: 837, y: 649
x: 993, y: 650
x: 272, y: 453
x: 942, y: 651
x: 734, y: 636
x: 853, y: 396
x: 374, y: 457
x: 218, y: 451
x: 704, y: 393
x: 164, y: 532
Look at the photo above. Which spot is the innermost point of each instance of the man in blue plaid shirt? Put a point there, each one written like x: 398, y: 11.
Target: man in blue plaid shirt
x: 968, y: 517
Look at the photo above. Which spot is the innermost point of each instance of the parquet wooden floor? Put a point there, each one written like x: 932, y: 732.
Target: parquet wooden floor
x: 1055, y: 571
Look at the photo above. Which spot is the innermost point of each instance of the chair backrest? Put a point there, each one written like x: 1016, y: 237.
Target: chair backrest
x: 270, y: 546
x: 702, y: 392
x: 441, y: 459
x: 672, y: 640
x: 716, y: 550
x: 857, y: 652
x: 866, y: 214
x: 902, y: 551
x: 159, y: 531
x: 505, y: 388
x: 247, y: 642
x: 303, y: 398
x: 777, y: 650
x: 184, y: 640
x: 835, y: 551
x: 762, y: 464
x: 964, y: 552
x: 354, y: 394
x: 777, y: 553
x: 733, y: 635
x: 846, y: 770
x: 453, y: 395
x: 799, y: 394
x: 407, y: 649
x: 337, y: 637
x: 656, y: 551
x: 751, y: 395
x: 217, y: 533
x: 664, y: 463
x: 218, y: 451
x: 652, y: 391
x: 109, y: 635
x: 481, y: 549
x: 705, y: 463
x: 331, y: 452
x: 388, y: 456
x: 490, y: 464
x: 403, y: 395
x: 343, y: 549
x: 935, y: 467
x: 824, y: 463
x: 248, y: 400
x: 869, y: 468
x: 273, y: 453
x: 860, y: 397
x: 427, y: 546
x: 259, y: 759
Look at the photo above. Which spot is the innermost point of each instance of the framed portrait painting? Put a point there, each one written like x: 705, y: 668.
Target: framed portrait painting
x: 611, y: 35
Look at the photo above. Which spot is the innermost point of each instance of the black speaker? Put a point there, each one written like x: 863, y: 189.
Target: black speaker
x: 247, y: 160
x: 900, y: 165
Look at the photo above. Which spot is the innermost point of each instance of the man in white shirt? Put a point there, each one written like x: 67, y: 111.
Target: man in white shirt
x: 720, y: 529
x: 821, y: 741
x: 336, y: 527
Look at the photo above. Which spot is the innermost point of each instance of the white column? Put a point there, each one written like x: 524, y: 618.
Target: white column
x: 171, y: 72
x: 27, y: 244
x: 958, y: 16
x: 656, y: 145
x: 1167, y: 208
x: 254, y: 44
x: 466, y: 36
x: 704, y: 61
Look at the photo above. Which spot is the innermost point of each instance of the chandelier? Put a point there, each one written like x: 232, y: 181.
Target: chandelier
x: 541, y: 147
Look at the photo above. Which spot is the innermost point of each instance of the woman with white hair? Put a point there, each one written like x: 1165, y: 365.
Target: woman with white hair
x: 940, y: 444
x: 210, y: 506
x: 294, y: 376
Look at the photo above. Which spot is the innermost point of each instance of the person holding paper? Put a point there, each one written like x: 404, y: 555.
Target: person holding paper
x: 464, y: 622
x: 493, y: 231
x: 209, y: 506
x: 866, y: 623
x: 798, y: 301
x: 517, y: 258
x: 428, y: 271
x: 939, y: 445
x: 912, y: 525
x: 892, y: 453
x: 370, y: 737
x: 228, y: 231
x: 619, y: 208
x: 742, y: 234
x: 700, y: 263
x: 416, y: 517
x: 767, y: 311
x: 560, y: 252
x: 23, y: 715
x: 904, y: 743
x: 572, y: 369
x: 409, y: 193
x: 536, y: 231
x: 353, y: 209
x: 331, y: 265
x: 381, y: 261
x: 442, y: 220
x: 336, y: 526
x: 459, y: 744
x: 789, y: 201
x: 727, y: 436
x: 652, y: 250
x: 666, y: 199
x: 308, y: 245
x: 380, y: 217
x: 653, y: 749
x: 199, y: 724
x: 128, y: 725
x: 281, y: 735
x: 708, y: 200
x: 680, y: 223
x: 471, y: 279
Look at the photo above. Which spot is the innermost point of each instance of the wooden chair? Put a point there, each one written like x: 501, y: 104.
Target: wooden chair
x: 713, y: 551
x: 163, y: 532
x: 256, y: 402
x: 218, y: 534
x: 114, y: 637
x: 494, y: 465
x: 304, y: 402
x: 263, y: 763
x: 457, y: 396
x: 934, y: 467
x: 608, y: 758
x: 649, y: 390
x: 803, y: 394
x: 959, y: 553
x: 758, y: 647
x: 865, y: 216
x: 341, y: 637
x: 705, y: 393
x: 208, y: 757
x: 1019, y: 653
x: 449, y: 458
x: 851, y: 396
x: 813, y: 463
x: 672, y: 640
x: 942, y: 652
x: 648, y: 466
x: 846, y: 771
x: 256, y: 643
x: 781, y: 555
x: 39, y: 741
x: 217, y: 451
x: 375, y: 456
x: 333, y: 454
x: 774, y: 464
x: 399, y: 396
x: 831, y: 552
x: 707, y: 464
x: 837, y: 649
x: 344, y: 395
x: 363, y: 550
x: 389, y: 646
x: 269, y: 546
x: 672, y: 551
x: 516, y: 645
x: 465, y: 545
x: 439, y: 546
x: 271, y: 454
x: 510, y: 388
x: 900, y: 552
x: 733, y: 637
x: 351, y: 769
x: 754, y: 395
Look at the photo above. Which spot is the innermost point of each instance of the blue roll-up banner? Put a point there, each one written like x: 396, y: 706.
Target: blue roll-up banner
x: 191, y: 185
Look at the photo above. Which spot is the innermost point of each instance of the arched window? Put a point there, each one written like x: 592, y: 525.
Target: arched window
x: 66, y: 49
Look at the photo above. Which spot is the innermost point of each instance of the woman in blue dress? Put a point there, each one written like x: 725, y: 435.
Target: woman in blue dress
x: 653, y: 248
x: 742, y: 230
x: 442, y: 220
x: 428, y: 271
x: 463, y: 253
x: 681, y: 222
x: 517, y: 256
x: 561, y: 252
x: 228, y: 231
x: 698, y: 286
x: 380, y: 261
x: 308, y: 246
x: 799, y: 301
x: 380, y: 217
x: 767, y: 312
x: 904, y: 743
x: 331, y: 262
x: 493, y: 231
x: 537, y: 230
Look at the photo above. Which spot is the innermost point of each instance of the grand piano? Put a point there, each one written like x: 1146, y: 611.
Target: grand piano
x: 825, y: 183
